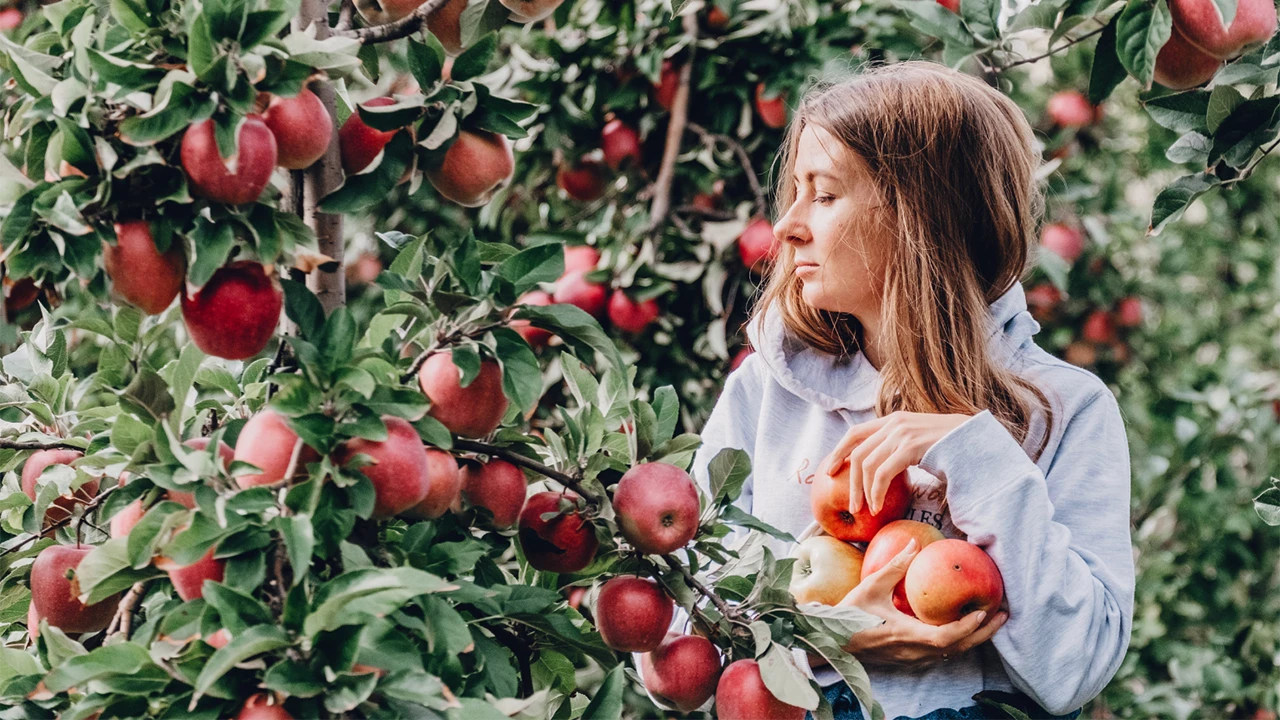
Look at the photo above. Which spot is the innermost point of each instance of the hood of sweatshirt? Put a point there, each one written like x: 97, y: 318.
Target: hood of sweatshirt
x: 852, y: 384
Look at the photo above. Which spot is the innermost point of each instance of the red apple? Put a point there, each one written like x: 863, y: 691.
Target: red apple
x: 10, y: 18
x: 631, y: 316
x: 574, y: 289
x: 621, y: 144
x: 657, y: 508
x: 55, y: 597
x: 33, y: 620
x: 475, y: 167
x: 717, y: 20
x: 263, y: 706
x: 772, y: 109
x: 399, y: 473
x: 1098, y: 327
x: 1198, y: 20
x: 527, y: 11
x: 267, y: 441
x: 218, y: 639
x: 826, y: 570
x: 950, y: 579
x: 585, y: 181
x: 1182, y: 66
x: 757, y: 245
x: 188, y: 580
x: 829, y: 498
x: 891, y: 540
x: 633, y: 614
x: 235, y: 314
x: 682, y: 671
x: 302, y: 128
x: 473, y: 411
x: 360, y: 144
x: 1062, y: 240
x: 1129, y: 312
x: 64, y: 506
x: 128, y: 517
x: 497, y: 486
x: 668, y: 82
x: 211, y: 176
x: 1043, y: 300
x: 444, y: 489
x: 139, y: 273
x: 741, y: 695
x: 565, y: 543
x: 1071, y: 109
x: 740, y: 357
x: 445, y: 24
x: 364, y: 270
x: 536, y: 337
x: 952, y: 5
x: 580, y: 258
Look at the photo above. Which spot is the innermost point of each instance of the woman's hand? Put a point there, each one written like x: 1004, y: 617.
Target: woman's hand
x: 903, y: 640
x: 876, y: 451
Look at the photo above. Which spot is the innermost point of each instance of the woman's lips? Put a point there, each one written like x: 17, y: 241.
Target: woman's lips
x: 803, y: 269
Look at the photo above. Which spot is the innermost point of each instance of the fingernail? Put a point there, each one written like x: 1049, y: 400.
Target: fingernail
x: 911, y: 546
x: 982, y: 615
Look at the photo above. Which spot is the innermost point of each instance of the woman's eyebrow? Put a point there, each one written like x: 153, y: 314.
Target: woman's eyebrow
x: 810, y: 175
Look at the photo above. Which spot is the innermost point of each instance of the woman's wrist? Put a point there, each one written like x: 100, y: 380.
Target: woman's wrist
x: 816, y: 660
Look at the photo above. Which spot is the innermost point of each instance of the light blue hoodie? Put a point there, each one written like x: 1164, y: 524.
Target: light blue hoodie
x: 1058, y: 529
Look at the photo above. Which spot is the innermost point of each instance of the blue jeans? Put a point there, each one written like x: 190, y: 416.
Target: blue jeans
x: 845, y: 707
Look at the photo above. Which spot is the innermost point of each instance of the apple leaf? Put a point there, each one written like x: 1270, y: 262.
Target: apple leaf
x: 1267, y: 504
x: 123, y: 658
x: 729, y: 471
x: 1174, y: 199
x: 785, y: 680
x: 1142, y: 30
x: 254, y: 641
x: 607, y: 704
x: 1107, y: 72
x: 850, y: 669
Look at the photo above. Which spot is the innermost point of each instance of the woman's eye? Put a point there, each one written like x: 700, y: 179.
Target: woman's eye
x: 823, y: 199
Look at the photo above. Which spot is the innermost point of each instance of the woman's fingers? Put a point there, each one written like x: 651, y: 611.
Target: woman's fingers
x: 944, y: 636
x: 889, y: 468
x: 882, y: 581
x: 857, y: 457
x: 984, y: 633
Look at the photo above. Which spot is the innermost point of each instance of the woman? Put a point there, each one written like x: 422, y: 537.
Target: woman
x: 893, y: 332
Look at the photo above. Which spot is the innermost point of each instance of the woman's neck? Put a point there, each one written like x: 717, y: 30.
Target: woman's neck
x: 870, y: 336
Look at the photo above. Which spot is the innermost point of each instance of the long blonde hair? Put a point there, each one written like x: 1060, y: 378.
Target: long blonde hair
x: 954, y: 159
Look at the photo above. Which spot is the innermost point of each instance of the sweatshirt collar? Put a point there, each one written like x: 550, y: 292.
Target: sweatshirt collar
x: 852, y: 384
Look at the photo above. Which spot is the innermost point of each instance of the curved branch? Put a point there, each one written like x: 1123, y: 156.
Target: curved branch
x: 675, y: 133
x: 743, y: 158
x: 702, y: 589
x: 515, y: 458
x: 401, y: 28
x: 91, y: 505
x: 6, y: 444
x: 1051, y: 51
x: 123, y: 620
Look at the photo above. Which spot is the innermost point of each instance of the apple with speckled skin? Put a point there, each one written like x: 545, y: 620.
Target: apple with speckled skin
x: 399, y: 472
x: 235, y: 314
x: 208, y: 174
x: 950, y: 579
x: 633, y: 613
x: 140, y: 274
x: 564, y: 543
x: 475, y: 168
x: 891, y: 540
x: 55, y: 597
x: 472, y: 411
x: 657, y: 507
x: 829, y: 500
x: 499, y: 487
x: 741, y: 695
x: 682, y: 671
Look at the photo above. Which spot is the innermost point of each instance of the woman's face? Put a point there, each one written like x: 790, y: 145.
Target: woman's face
x: 838, y: 228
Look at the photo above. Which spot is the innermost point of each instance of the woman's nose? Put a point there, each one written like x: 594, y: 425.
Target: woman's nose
x: 791, y: 228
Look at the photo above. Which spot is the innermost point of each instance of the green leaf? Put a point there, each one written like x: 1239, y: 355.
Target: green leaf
x: 355, y: 596
x: 729, y: 470
x: 130, y: 76
x: 475, y: 59
x: 607, y: 703
x: 734, y: 515
x: 299, y: 538
x: 1174, y: 199
x: 1267, y: 504
x: 178, y: 106
x: 15, y: 662
x: 254, y: 641
x: 521, y: 374
x: 361, y: 191
x: 213, y: 243
x: 106, y: 571
x: 303, y: 308
x: 851, y: 671
x: 426, y: 60
x: 576, y: 327
x: 124, y: 658
x: 182, y: 375
x: 1107, y: 71
x: 147, y: 396
x: 538, y: 264
x: 982, y: 17
x: 1223, y: 100
x: 786, y: 681
x: 1143, y: 28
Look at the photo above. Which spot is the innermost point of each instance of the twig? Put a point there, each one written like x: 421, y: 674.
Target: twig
x: 675, y: 133
x: 401, y: 28
x: 1248, y: 170
x: 697, y: 615
x: 346, y: 16
x: 516, y: 458
x: 697, y: 584
x: 743, y: 158
x: 1052, y: 51
x: 451, y: 338
x: 6, y: 444
x: 123, y: 620
x: 91, y: 505
x: 517, y: 643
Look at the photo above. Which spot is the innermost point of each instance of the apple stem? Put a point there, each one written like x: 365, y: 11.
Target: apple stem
x: 675, y: 132
x: 346, y: 16
x: 697, y: 584
x: 744, y: 159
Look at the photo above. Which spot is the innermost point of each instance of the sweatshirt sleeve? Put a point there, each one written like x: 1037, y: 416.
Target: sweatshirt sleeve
x: 1061, y: 541
x: 732, y: 424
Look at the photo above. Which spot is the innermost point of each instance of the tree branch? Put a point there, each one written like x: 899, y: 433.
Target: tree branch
x: 346, y: 16
x: 516, y: 458
x: 702, y: 589
x: 91, y: 505
x: 675, y: 133
x: 1052, y: 51
x: 744, y: 159
x: 451, y: 338
x: 123, y: 620
x: 401, y: 28
x: 6, y: 444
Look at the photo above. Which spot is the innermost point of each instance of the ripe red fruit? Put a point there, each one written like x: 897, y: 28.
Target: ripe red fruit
x: 267, y: 442
x: 620, y: 143
x: 444, y: 488
x: 498, y: 486
x: 235, y: 314
x: 952, y: 5
x: 208, y: 173
x: 262, y: 706
x: 1062, y: 240
x: 757, y: 245
x: 682, y: 671
x: 585, y: 181
x: 950, y: 579
x: 10, y: 18
x: 741, y: 695
x: 125, y: 520
x: 1129, y: 312
x: 772, y: 110
x: 218, y: 639
x: 399, y: 473
x: 64, y: 506
x: 657, y: 508
x: 302, y: 128
x: 139, y: 273
x: 1198, y: 20
x: 580, y: 258
x: 1071, y: 109
x: 829, y: 498
x: 565, y: 543
x: 890, y: 541
x: 445, y: 23
x: 55, y: 598
x: 536, y: 337
x: 668, y: 82
x: 575, y: 289
x: 1044, y: 299
x: 631, y: 316
x: 188, y: 580
x: 1098, y: 327
x: 527, y: 11
x: 475, y: 167
x: 473, y: 411
x: 717, y: 19
x: 739, y: 358
x: 360, y: 144
x: 633, y: 614
x: 1182, y: 66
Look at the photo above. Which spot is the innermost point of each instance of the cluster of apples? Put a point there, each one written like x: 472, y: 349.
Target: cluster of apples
x: 946, y: 580
x: 1199, y: 43
x: 573, y: 288
x: 587, y: 178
